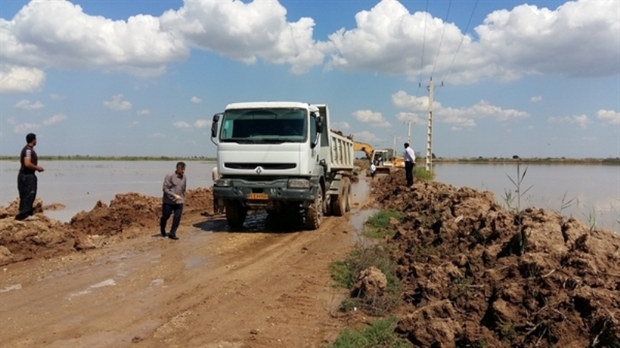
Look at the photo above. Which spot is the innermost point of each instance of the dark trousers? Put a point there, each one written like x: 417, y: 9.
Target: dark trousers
x: 166, y: 211
x: 409, y: 173
x: 27, y: 187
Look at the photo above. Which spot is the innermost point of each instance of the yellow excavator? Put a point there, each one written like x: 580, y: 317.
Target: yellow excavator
x: 384, y: 160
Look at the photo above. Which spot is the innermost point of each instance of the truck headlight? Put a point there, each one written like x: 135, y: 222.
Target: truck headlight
x: 298, y: 183
x: 223, y: 182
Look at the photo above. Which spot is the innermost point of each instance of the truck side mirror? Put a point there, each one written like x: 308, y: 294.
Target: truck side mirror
x: 319, y: 124
x: 216, y: 119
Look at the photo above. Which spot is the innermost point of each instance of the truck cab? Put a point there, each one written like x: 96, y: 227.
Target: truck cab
x: 274, y: 156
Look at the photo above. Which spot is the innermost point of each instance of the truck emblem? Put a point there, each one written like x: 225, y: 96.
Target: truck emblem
x: 259, y: 170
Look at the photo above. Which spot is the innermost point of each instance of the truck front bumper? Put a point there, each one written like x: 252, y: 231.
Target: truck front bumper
x: 264, y: 193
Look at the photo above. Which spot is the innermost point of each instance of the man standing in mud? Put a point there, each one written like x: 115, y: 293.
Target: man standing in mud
x: 174, y: 197
x: 409, y: 163
x: 26, y: 178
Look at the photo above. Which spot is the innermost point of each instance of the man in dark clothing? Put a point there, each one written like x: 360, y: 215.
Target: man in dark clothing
x: 26, y: 179
x: 409, y: 164
x: 174, y: 197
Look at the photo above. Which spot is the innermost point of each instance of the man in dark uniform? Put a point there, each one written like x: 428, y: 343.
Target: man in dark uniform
x: 174, y: 197
x: 26, y: 179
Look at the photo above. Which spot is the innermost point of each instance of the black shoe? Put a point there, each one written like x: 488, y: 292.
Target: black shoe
x: 173, y: 237
x: 163, y: 234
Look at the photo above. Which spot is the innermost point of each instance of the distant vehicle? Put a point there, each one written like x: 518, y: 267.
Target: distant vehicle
x: 384, y: 160
x: 281, y: 156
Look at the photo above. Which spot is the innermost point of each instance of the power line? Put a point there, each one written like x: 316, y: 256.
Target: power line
x: 461, y: 43
x: 441, y: 40
x: 423, y: 45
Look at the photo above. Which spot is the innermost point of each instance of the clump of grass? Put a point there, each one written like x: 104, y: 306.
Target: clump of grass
x: 378, y: 225
x: 421, y: 173
x: 348, y: 304
x: 507, y: 332
x: 381, y: 219
x: 345, y: 274
x: 379, y: 334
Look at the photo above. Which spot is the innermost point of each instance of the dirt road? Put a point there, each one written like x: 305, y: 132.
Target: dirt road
x: 212, y: 288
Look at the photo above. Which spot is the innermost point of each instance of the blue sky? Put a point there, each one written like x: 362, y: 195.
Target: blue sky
x: 540, y: 79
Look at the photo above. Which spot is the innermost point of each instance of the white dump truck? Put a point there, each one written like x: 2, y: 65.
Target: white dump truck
x: 281, y: 157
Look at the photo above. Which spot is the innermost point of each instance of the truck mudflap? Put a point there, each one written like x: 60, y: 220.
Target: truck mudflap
x: 262, y: 194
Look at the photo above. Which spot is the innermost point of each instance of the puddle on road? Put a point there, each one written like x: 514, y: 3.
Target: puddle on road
x: 11, y: 288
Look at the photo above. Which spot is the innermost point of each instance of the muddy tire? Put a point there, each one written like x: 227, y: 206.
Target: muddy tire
x: 314, y: 212
x: 235, y: 214
x: 339, y: 202
x: 348, y: 194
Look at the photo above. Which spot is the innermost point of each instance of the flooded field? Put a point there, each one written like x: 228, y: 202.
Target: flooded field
x: 593, y: 189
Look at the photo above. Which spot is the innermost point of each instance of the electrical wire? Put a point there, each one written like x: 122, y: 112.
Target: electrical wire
x: 441, y: 40
x: 423, y: 45
x: 461, y: 43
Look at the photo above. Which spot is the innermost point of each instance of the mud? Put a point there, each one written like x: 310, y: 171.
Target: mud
x: 127, y: 216
x: 478, y: 275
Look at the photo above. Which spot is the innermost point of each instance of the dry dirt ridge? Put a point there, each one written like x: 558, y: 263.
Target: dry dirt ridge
x: 127, y: 216
x: 478, y: 275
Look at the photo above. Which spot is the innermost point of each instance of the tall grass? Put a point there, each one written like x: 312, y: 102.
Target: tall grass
x: 379, y: 334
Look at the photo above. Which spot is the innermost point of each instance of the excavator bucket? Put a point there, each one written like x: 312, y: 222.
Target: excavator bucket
x: 384, y: 170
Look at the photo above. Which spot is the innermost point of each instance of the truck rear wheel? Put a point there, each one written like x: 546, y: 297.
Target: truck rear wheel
x: 339, y: 202
x: 314, y: 212
x: 235, y: 214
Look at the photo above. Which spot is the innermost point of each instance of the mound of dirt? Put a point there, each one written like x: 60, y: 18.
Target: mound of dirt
x: 476, y: 274
x: 127, y: 216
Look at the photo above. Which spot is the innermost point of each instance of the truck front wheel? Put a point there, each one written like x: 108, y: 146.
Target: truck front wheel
x: 235, y: 214
x: 314, y: 212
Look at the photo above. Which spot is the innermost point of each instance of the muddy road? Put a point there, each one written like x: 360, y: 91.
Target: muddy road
x: 211, y: 288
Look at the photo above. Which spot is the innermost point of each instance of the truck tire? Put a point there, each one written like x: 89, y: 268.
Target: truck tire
x: 339, y: 202
x: 314, y: 212
x: 235, y: 214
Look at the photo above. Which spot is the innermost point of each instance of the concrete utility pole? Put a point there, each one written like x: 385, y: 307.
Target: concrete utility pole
x: 409, y: 131
x: 394, y: 146
x: 429, y: 133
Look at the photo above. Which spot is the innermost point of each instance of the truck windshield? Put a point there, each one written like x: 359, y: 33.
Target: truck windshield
x: 266, y: 126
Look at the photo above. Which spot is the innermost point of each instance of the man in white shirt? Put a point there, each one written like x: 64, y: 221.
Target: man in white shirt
x: 409, y: 163
x: 373, y: 170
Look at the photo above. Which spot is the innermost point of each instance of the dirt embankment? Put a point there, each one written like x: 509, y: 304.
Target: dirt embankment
x: 127, y: 216
x: 478, y: 275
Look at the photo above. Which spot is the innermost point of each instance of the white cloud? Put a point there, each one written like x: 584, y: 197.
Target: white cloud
x: 367, y: 136
x: 18, y: 79
x: 25, y: 127
x: 117, y: 103
x: 410, y: 116
x: 581, y: 120
x: 368, y: 116
x: 340, y: 126
x: 25, y: 104
x: 55, y: 119
x: 460, y: 118
x: 247, y: 32
x: 58, y: 96
x: 143, y: 112
x: 196, y: 100
x: 182, y: 124
x: 202, y: 123
x: 158, y: 135
x: 536, y: 99
x: 609, y: 116
x: 134, y: 124
x: 511, y: 43
x: 11, y: 120
x: 58, y: 33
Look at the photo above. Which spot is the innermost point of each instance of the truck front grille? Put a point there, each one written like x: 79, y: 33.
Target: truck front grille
x: 252, y: 166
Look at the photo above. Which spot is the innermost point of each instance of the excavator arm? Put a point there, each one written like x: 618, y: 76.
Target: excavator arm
x: 368, y: 150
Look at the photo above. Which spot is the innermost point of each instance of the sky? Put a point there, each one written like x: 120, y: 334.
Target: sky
x: 144, y: 77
